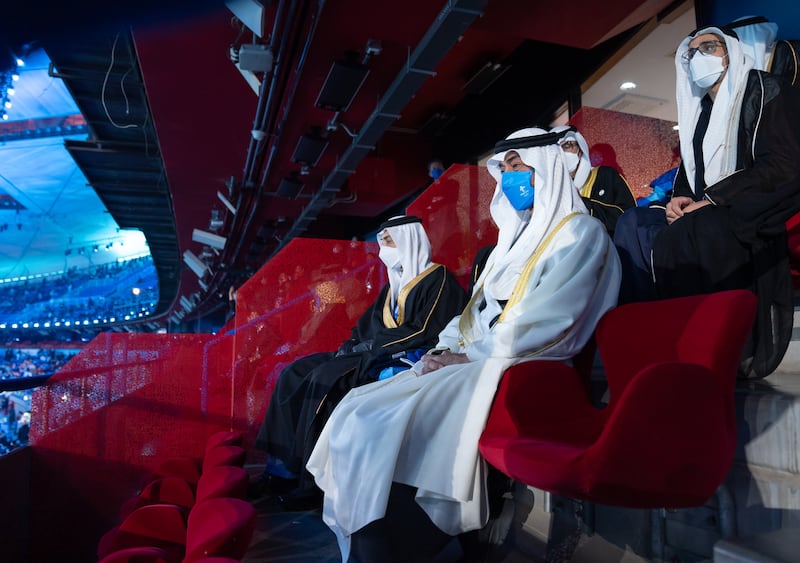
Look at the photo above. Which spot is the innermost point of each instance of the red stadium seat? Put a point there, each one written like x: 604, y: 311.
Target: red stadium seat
x: 793, y: 234
x: 155, y: 525
x: 224, y: 455
x: 666, y: 437
x: 185, y: 467
x: 138, y: 555
x: 219, y: 527
x: 225, y: 438
x: 168, y: 490
x: 222, y: 481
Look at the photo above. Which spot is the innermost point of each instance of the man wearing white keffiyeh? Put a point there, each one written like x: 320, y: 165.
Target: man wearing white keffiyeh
x: 398, y: 460
x: 738, y: 183
x: 605, y: 193
x: 406, y: 318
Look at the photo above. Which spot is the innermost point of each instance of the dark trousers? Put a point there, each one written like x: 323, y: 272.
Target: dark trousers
x: 405, y: 534
x: 634, y: 236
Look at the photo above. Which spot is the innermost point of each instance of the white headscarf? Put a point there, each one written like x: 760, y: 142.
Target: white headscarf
x: 521, y: 232
x: 585, y: 164
x: 721, y: 138
x: 414, y: 251
x: 757, y: 39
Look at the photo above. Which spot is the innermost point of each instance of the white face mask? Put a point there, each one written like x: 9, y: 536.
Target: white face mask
x: 389, y: 256
x: 705, y: 70
x: 573, y: 160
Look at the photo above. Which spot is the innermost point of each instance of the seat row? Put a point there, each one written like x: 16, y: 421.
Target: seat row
x: 190, y: 510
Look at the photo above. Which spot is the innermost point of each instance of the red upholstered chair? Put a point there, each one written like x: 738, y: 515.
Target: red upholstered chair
x: 168, y: 490
x: 224, y: 455
x: 138, y: 555
x: 793, y: 235
x: 219, y: 527
x: 666, y: 437
x: 222, y: 481
x: 225, y: 438
x: 155, y: 525
x: 184, y: 467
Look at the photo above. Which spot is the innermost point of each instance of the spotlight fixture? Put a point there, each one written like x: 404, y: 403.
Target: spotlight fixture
x: 290, y: 187
x: 309, y: 149
x: 255, y: 58
x: 212, y: 240
x: 250, y: 13
x: 226, y: 202
x: 343, y: 82
x: 195, y: 264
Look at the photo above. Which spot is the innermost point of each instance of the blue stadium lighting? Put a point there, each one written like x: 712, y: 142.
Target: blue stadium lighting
x: 67, y: 323
x: 57, y: 323
x: 3, y: 325
x: 14, y: 325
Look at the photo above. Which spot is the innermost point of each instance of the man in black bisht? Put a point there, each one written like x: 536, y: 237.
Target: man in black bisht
x: 738, y: 183
x: 403, y: 323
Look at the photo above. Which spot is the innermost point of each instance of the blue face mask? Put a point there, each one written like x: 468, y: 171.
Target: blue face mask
x: 436, y: 173
x: 517, y: 188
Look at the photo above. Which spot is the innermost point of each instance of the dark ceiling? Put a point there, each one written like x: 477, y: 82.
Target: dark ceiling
x: 171, y: 118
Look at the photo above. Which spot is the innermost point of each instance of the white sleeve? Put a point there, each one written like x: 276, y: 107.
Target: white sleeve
x: 450, y: 335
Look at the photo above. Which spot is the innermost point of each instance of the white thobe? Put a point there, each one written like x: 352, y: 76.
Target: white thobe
x: 423, y: 431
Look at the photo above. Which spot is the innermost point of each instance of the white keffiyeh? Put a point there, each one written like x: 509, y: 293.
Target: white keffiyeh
x: 414, y: 251
x: 585, y: 164
x: 519, y: 231
x: 721, y: 138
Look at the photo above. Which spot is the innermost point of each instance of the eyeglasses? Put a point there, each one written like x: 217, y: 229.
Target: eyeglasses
x: 706, y: 48
x: 569, y: 145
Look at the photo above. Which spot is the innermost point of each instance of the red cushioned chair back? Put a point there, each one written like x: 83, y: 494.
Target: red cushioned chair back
x: 225, y: 438
x: 183, y: 467
x: 170, y: 490
x: 220, y: 527
x: 709, y: 330
x: 793, y: 235
x: 138, y: 555
x: 222, y: 481
x: 165, y: 522
x: 224, y: 455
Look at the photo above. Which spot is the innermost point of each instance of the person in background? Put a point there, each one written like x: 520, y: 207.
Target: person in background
x: 23, y: 432
x: 435, y: 169
x: 398, y: 460
x: 605, y: 192
x: 738, y: 183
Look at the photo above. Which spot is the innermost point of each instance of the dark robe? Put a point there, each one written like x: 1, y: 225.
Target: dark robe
x: 740, y: 241
x: 607, y: 195
x: 309, y: 388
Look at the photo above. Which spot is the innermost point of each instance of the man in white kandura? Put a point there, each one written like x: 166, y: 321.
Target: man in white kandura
x: 552, y: 275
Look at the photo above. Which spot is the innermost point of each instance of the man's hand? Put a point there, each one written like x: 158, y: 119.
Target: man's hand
x: 679, y: 206
x: 440, y: 358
